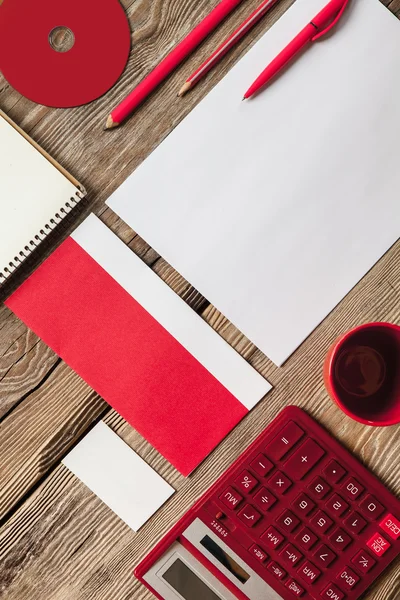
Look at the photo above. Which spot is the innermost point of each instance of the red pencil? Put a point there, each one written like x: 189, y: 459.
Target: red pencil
x: 321, y: 24
x: 229, y: 43
x: 170, y: 62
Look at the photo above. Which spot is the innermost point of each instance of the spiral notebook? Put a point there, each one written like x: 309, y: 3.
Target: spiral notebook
x: 36, y: 194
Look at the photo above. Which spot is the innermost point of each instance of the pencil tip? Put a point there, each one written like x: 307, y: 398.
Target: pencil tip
x: 185, y: 88
x: 110, y: 123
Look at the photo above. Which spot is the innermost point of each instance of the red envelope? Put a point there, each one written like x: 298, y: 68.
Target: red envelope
x: 147, y: 353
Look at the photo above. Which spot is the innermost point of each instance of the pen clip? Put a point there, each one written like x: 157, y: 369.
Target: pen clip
x: 331, y: 25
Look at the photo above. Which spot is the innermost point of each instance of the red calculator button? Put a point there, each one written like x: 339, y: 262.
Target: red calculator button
x: 290, y: 555
x: 332, y: 592
x: 258, y: 553
x: 304, y: 459
x: 306, y: 538
x: 288, y: 521
x: 303, y: 504
x: 246, y: 482
x: 370, y: 507
x: 352, y: 489
x: 319, y: 488
x: 284, y: 441
x: 261, y: 465
x: 336, y: 505
x: 378, y: 544
x: 249, y: 515
x: 321, y: 521
x: 348, y: 579
x: 363, y: 562
x: 308, y: 573
x: 334, y: 472
x: 391, y: 526
x: 264, y: 499
x: 295, y: 588
x: 276, y: 570
x: 272, y: 538
x: 324, y: 555
x: 231, y: 498
x: 355, y: 522
x: 279, y: 482
x: 340, y: 539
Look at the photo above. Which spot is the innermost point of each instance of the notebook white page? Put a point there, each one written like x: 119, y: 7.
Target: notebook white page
x: 274, y: 208
x: 32, y: 191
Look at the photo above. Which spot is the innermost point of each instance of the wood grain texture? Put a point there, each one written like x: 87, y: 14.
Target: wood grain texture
x: 57, y: 540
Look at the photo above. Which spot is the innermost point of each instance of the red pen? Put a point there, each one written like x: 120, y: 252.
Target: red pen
x: 323, y: 22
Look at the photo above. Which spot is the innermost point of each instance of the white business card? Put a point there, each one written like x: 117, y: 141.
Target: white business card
x: 118, y: 476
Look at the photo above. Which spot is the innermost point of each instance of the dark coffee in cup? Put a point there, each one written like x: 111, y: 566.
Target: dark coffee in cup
x: 362, y: 373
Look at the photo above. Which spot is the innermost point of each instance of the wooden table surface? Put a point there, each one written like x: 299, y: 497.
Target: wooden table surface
x: 57, y: 540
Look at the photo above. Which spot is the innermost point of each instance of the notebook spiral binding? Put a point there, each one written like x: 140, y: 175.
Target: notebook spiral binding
x: 9, y: 269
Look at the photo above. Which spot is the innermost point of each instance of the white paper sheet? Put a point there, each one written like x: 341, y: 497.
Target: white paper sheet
x: 274, y: 208
x: 118, y: 476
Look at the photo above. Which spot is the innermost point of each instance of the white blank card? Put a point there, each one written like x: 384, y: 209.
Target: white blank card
x: 118, y: 476
x: 274, y: 208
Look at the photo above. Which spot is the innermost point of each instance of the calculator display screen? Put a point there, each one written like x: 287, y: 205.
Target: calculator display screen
x: 224, y: 558
x: 187, y: 583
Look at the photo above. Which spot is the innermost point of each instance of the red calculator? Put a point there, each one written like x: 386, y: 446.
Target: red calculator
x: 296, y: 516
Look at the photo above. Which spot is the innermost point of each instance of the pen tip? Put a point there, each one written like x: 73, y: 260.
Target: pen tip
x: 244, y: 98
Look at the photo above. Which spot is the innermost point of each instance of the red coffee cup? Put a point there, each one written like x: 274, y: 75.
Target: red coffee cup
x: 362, y: 373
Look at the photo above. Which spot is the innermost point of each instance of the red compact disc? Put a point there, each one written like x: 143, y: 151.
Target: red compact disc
x: 100, y: 39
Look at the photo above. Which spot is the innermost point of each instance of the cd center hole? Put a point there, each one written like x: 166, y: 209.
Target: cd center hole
x: 61, y: 39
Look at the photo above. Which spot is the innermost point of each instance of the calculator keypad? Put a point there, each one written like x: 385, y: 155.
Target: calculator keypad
x: 316, y: 529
